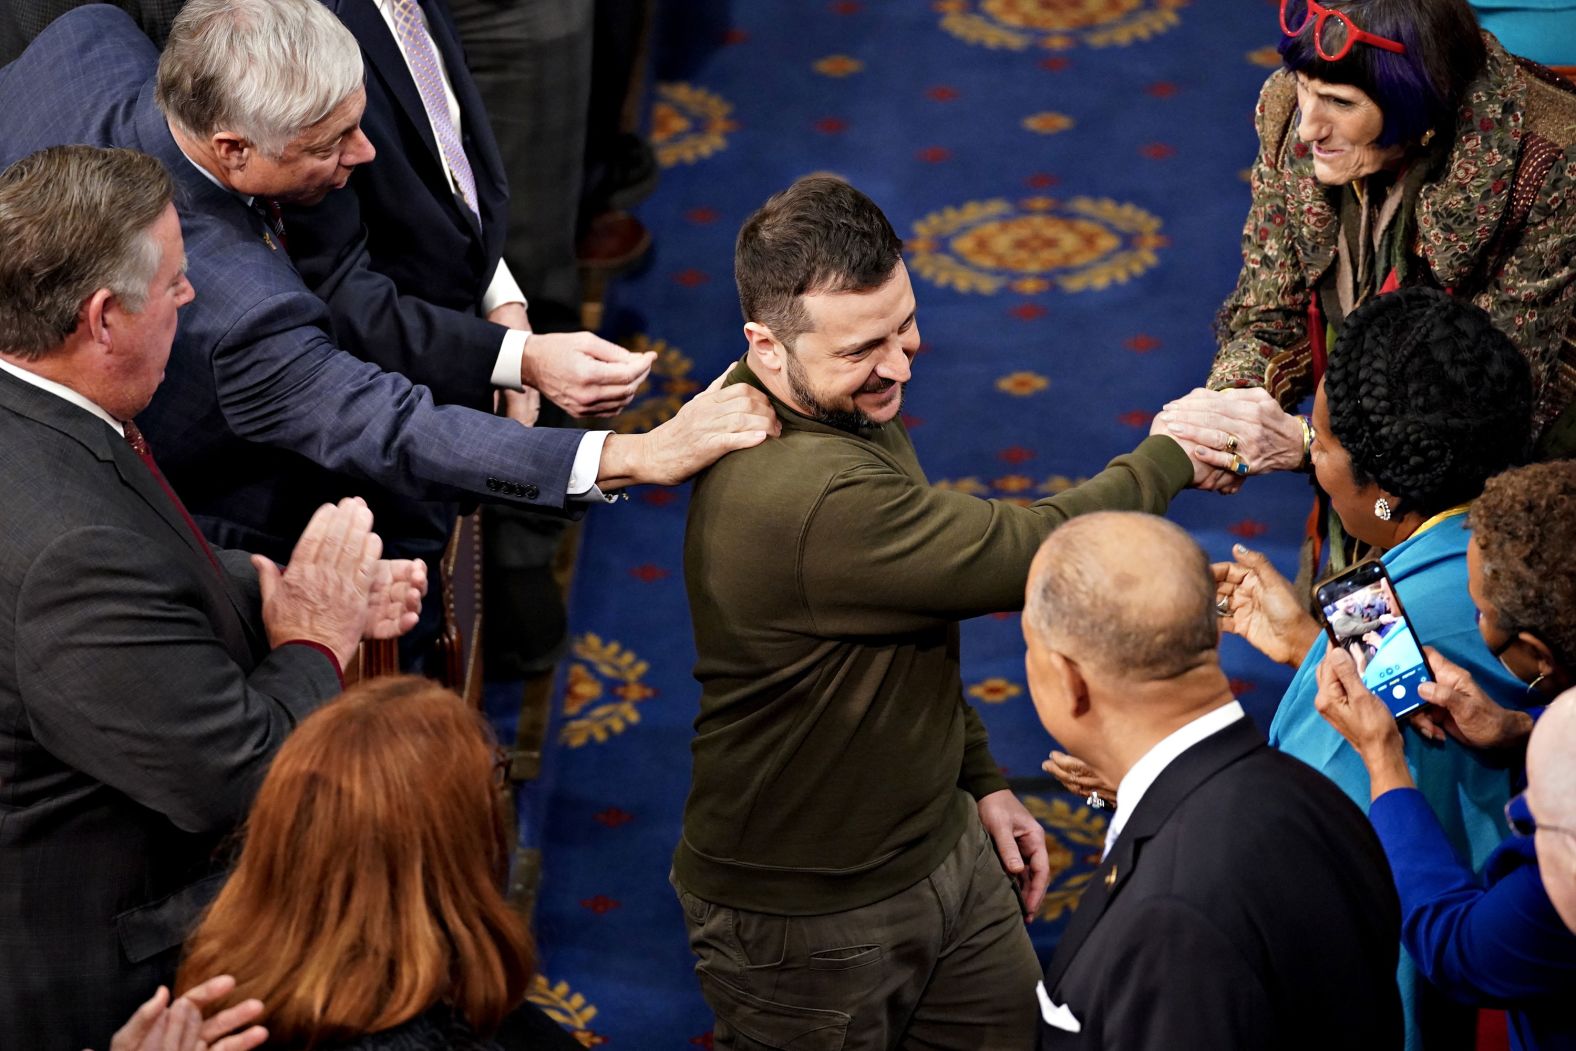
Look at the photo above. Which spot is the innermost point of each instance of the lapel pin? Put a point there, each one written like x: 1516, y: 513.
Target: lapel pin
x: 1110, y: 878
x: 269, y: 241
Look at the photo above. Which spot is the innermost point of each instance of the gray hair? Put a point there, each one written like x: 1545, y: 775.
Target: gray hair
x: 265, y: 69
x: 1130, y: 593
x: 73, y: 220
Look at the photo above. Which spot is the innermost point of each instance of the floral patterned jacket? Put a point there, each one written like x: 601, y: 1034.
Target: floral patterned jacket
x: 1289, y: 240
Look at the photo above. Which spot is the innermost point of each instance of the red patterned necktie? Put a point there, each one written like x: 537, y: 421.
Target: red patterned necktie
x: 139, y: 445
x: 411, y: 26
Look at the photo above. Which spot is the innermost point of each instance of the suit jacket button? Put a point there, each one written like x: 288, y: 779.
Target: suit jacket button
x: 531, y: 492
x: 493, y: 485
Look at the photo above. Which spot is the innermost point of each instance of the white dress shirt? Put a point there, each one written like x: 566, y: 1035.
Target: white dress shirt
x: 1152, y: 763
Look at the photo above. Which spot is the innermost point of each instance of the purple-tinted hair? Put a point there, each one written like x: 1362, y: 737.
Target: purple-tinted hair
x: 1415, y: 91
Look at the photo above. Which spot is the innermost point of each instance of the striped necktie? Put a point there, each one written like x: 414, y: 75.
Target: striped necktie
x: 411, y: 26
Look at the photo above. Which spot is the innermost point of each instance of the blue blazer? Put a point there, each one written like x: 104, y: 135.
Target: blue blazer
x: 401, y: 261
x: 1502, y: 945
x: 261, y: 416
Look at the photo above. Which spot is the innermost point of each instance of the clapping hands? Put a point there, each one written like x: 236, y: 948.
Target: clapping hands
x: 159, y: 1025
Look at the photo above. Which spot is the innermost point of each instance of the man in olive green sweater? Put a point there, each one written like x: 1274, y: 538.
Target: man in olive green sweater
x: 841, y: 868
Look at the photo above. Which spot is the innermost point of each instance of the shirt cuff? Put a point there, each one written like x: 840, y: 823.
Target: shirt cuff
x: 325, y: 651
x: 588, y: 462
x: 504, y: 289
x: 506, y: 370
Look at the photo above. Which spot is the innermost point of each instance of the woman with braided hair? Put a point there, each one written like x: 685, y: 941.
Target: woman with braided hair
x: 1424, y: 400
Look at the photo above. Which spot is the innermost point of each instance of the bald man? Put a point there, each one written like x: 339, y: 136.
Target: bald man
x: 1551, y: 798
x: 1243, y: 901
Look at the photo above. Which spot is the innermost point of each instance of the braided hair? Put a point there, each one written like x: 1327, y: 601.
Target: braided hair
x: 1428, y: 398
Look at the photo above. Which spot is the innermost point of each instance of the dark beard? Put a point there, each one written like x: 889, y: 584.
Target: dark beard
x: 842, y: 419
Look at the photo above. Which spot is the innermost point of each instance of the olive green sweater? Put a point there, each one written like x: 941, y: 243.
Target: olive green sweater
x: 835, y: 759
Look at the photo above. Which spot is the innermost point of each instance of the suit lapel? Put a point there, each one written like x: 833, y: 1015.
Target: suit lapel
x: 1175, y: 783
x: 383, y: 53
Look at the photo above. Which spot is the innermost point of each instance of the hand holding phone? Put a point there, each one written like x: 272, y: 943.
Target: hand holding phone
x: 1363, y: 616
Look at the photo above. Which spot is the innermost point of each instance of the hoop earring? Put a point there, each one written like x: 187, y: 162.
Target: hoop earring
x: 1382, y: 509
x: 1532, y: 687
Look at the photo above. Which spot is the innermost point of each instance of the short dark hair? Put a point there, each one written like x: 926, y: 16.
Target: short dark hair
x: 73, y: 220
x: 1428, y: 398
x: 819, y: 235
x: 1525, y: 525
x: 1416, y: 90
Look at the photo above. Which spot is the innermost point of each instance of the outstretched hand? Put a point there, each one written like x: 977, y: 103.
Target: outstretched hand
x: 1261, y: 605
x: 582, y: 373
x: 1079, y: 777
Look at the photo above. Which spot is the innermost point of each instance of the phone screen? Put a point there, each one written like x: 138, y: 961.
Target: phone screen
x: 1364, y: 617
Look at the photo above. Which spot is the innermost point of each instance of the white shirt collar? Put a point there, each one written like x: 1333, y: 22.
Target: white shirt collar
x: 1152, y: 763
x: 60, y: 390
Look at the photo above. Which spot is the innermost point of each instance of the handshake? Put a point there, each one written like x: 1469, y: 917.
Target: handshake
x: 1232, y: 434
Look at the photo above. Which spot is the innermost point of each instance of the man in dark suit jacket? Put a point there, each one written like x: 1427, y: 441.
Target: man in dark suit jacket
x: 1243, y: 901
x: 262, y: 414
x: 410, y: 257
x: 145, y: 679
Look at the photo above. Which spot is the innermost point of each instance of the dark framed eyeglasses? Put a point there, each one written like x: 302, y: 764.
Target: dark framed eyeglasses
x: 1334, y: 32
x: 1519, y: 817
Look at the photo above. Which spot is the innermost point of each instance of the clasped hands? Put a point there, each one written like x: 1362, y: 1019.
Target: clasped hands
x: 1232, y: 434
x: 337, y: 588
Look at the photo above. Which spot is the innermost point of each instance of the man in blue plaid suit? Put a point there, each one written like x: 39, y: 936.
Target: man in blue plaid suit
x: 261, y: 417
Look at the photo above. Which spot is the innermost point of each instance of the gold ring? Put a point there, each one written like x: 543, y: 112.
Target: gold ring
x: 1231, y: 443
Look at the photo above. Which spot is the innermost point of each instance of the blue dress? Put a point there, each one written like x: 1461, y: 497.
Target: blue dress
x: 1466, y: 791
x: 1503, y: 945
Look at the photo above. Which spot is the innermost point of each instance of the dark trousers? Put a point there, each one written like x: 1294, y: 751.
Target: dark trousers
x: 945, y: 965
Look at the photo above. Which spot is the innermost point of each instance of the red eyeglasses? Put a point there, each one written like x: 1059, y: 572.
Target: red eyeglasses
x: 1334, y: 32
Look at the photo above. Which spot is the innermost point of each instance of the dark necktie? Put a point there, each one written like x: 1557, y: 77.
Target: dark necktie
x: 273, y: 219
x: 139, y: 445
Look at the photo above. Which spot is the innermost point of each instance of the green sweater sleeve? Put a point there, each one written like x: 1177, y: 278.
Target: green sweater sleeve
x: 979, y: 775
x: 939, y: 556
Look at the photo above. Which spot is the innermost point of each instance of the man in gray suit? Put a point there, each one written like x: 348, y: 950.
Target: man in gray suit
x: 146, y: 679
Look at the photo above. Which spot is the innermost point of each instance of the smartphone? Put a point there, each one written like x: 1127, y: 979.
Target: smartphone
x: 1363, y: 615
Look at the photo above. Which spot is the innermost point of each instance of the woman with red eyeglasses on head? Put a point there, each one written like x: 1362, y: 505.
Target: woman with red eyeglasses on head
x: 1399, y: 145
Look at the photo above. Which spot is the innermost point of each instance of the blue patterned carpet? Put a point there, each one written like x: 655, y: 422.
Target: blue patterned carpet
x: 1069, y: 176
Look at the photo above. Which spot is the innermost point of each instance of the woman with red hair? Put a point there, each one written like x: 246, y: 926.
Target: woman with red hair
x: 365, y: 911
